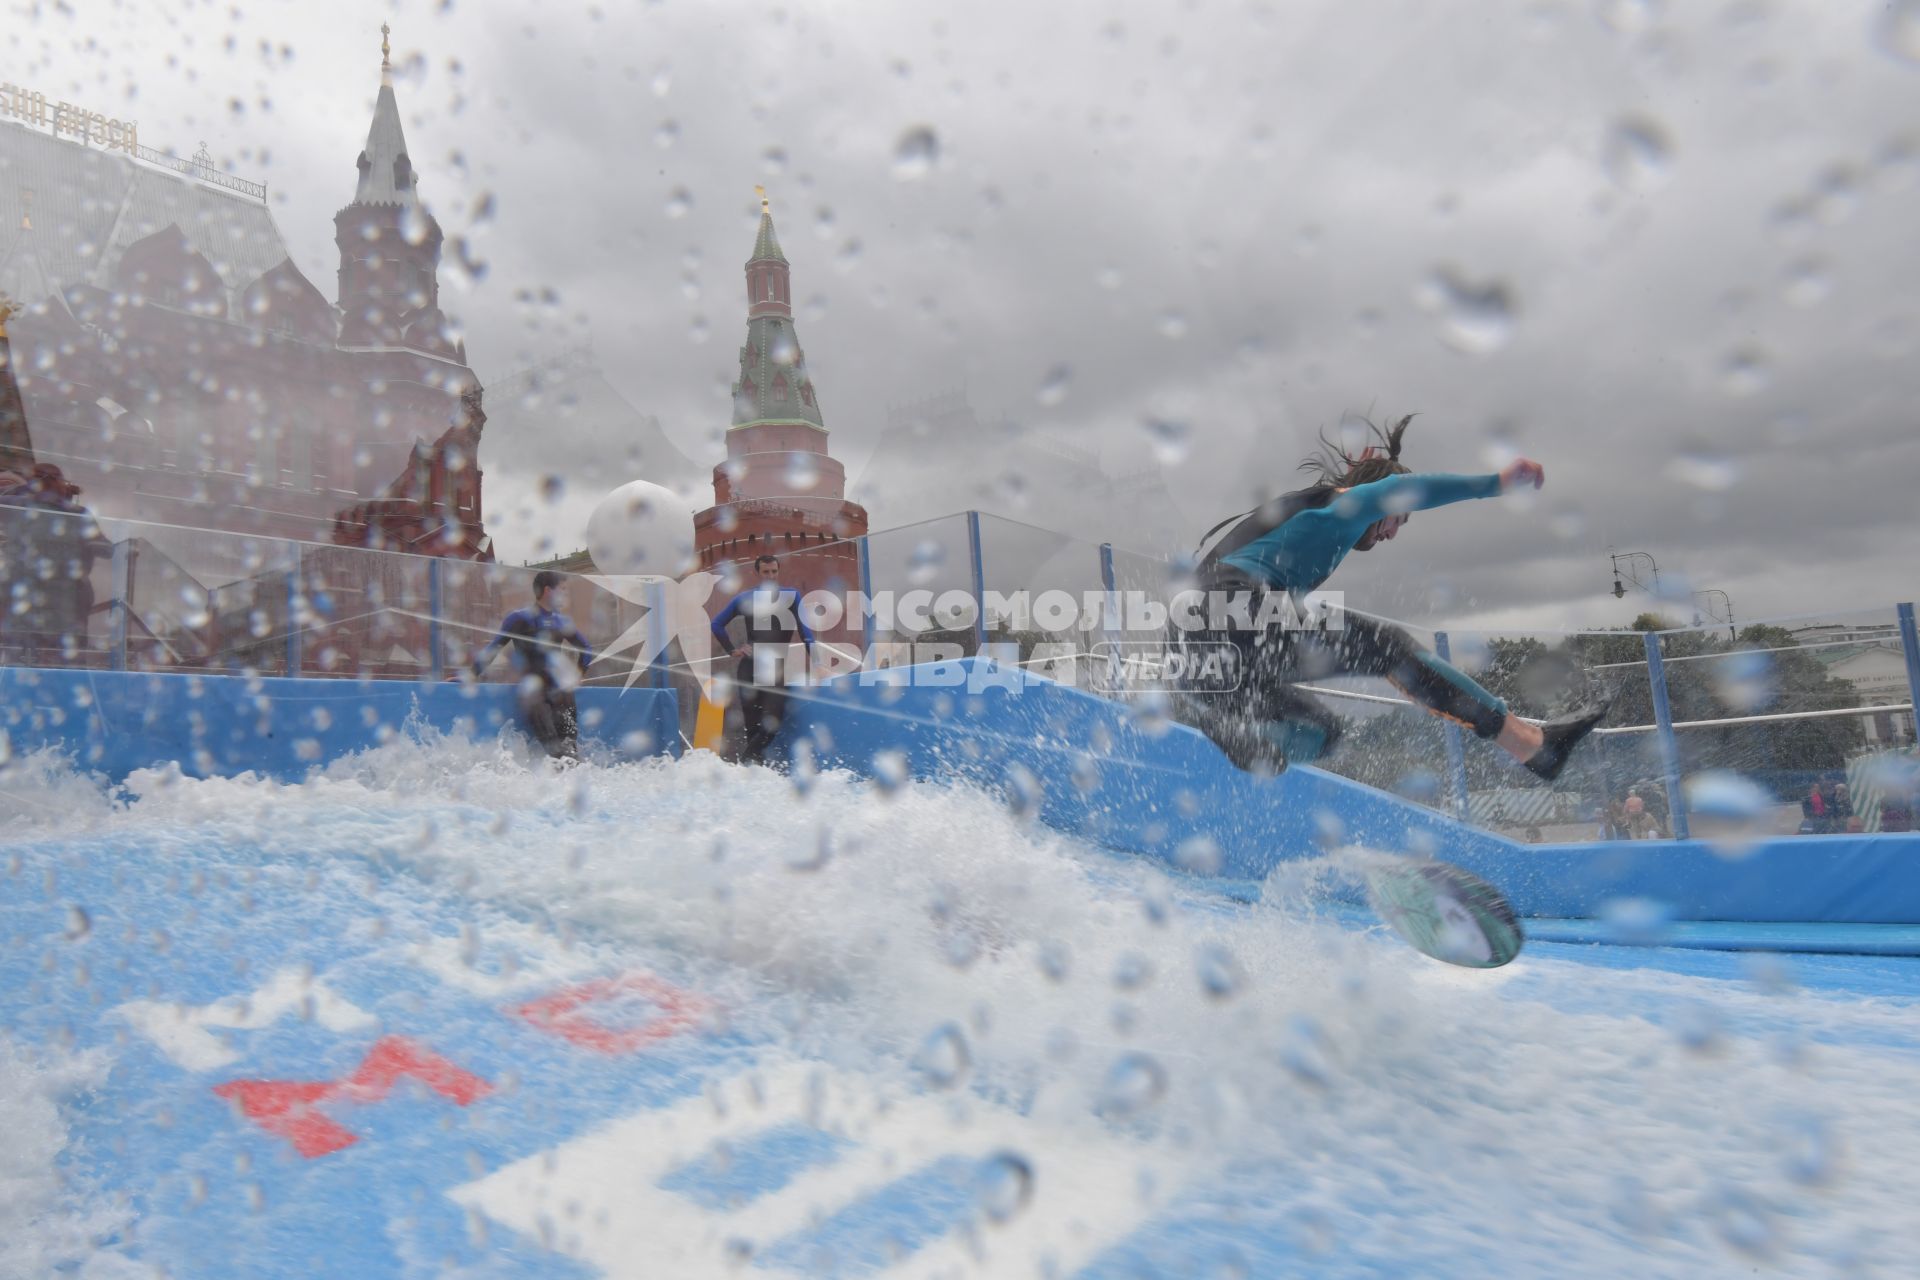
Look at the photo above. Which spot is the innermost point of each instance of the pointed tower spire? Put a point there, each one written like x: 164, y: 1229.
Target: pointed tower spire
x: 386, y: 173
x: 389, y: 244
x: 773, y: 385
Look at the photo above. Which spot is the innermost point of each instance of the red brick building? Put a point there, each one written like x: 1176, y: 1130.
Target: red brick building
x: 178, y: 366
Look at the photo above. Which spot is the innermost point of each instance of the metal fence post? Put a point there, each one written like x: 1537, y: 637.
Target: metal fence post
x: 295, y: 593
x: 436, y: 607
x: 657, y: 637
x: 866, y: 595
x: 979, y: 581
x: 1456, y: 747
x: 1910, y: 645
x: 117, y: 617
x: 1669, y: 745
x: 1110, y: 616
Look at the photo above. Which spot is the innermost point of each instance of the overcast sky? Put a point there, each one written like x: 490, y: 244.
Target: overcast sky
x: 1667, y: 249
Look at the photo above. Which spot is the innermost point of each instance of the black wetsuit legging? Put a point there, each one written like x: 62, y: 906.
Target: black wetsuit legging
x: 1255, y: 714
x: 551, y: 714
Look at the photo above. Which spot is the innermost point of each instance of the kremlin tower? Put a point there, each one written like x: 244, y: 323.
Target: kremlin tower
x: 779, y: 491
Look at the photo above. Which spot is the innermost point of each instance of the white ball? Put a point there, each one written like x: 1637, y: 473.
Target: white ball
x: 641, y: 528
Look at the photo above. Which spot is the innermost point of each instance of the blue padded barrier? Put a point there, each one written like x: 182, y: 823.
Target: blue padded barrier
x: 1143, y: 785
x: 113, y: 722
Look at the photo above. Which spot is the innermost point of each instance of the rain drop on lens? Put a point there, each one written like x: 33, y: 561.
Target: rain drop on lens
x: 1054, y: 387
x: 1745, y: 372
x: 889, y: 771
x: 1221, y: 977
x: 1170, y: 440
x: 1475, y: 318
x: 915, y: 154
x: 1002, y: 1186
x: 1133, y: 1085
x: 944, y: 1057
x: 923, y: 566
x: 679, y: 203
x: 1636, y: 155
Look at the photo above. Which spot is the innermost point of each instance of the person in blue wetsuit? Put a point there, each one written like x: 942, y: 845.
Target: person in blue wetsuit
x: 540, y: 638
x: 1293, y: 544
x: 772, y: 616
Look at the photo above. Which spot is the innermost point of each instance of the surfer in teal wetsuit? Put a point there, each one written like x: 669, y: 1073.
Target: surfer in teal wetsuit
x: 1292, y: 545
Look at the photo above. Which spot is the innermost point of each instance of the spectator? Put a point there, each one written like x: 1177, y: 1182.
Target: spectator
x: 1855, y: 825
x: 1813, y: 813
x: 1638, y: 824
x: 1842, y: 807
x: 1613, y: 821
x: 1534, y: 835
x: 1896, y: 810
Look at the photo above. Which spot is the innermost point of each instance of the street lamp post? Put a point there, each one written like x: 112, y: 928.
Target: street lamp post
x: 1733, y: 632
x: 1619, y: 588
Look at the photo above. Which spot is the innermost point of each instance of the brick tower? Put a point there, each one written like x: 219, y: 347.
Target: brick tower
x: 779, y: 490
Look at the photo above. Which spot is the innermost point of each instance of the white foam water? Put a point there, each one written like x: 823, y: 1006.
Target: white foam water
x: 1340, y: 1093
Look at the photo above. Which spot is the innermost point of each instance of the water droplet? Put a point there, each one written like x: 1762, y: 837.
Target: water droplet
x: 1055, y: 961
x: 662, y: 81
x: 1054, y: 387
x: 1134, y: 1083
x: 1003, y: 1186
x: 415, y: 225
x: 1170, y: 440
x: 1699, y: 1027
x: 1149, y: 713
x: 1813, y: 1154
x: 1746, y: 371
x: 923, y: 566
x: 1636, y: 922
x: 6, y: 749
x: 1173, y: 325
x: 1306, y: 1054
x: 774, y: 160
x: 944, y: 1057
x: 698, y: 329
x: 890, y: 771
x: 1221, y: 977
x: 79, y: 924
x: 1109, y: 277
x: 803, y: 472
x: 1730, y: 812
x: 814, y: 855
x: 1477, y: 319
x: 1086, y: 773
x: 1836, y: 195
x: 1744, y: 1222
x: 680, y: 203
x: 1637, y: 155
x: 1628, y: 17
x: 1024, y: 793
x: 849, y: 256
x: 1809, y: 282
x: 915, y: 154
x: 667, y: 134
x: 1697, y: 466
x: 1199, y: 855
x: 552, y: 488
x: 1132, y: 972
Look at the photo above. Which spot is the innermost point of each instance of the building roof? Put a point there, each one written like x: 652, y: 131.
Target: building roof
x: 766, y: 248
x: 386, y: 173
x: 90, y: 205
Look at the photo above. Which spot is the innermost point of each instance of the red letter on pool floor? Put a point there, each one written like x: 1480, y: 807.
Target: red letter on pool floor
x: 562, y: 1013
x: 286, y: 1108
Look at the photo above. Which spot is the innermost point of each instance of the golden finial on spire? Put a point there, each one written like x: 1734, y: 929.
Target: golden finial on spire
x: 385, y: 31
x: 762, y: 193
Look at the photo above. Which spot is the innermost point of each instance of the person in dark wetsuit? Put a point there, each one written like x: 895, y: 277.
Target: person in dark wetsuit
x: 772, y: 615
x: 540, y: 637
x: 1292, y: 545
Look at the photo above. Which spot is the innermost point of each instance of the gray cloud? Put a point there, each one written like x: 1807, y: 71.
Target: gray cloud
x: 1281, y: 178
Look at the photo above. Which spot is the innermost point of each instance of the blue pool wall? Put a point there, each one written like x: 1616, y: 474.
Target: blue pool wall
x: 114, y: 722
x: 1137, y: 784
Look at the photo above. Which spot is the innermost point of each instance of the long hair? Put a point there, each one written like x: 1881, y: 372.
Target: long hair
x: 1343, y: 470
